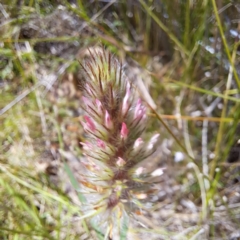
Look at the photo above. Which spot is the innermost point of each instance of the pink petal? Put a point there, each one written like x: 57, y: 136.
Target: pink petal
x: 153, y: 141
x: 86, y: 145
x: 101, y: 144
x: 90, y: 124
x: 86, y: 101
x: 137, y: 143
x: 99, y: 105
x: 121, y: 162
x: 140, y: 110
x: 124, y: 131
x: 108, y: 121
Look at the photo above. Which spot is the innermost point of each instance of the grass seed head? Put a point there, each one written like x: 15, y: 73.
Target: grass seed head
x: 114, y: 121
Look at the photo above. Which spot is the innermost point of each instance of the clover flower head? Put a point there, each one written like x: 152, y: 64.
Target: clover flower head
x: 115, y: 120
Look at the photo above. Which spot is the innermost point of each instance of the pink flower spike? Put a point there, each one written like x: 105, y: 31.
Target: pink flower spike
x: 125, y: 105
x: 124, y: 131
x: 86, y: 101
x: 140, y: 110
x: 84, y: 125
x: 86, y: 145
x: 99, y: 105
x: 101, y: 144
x: 108, y: 121
x: 121, y: 162
x: 153, y: 141
x: 139, y: 104
x: 90, y: 124
x: 137, y: 143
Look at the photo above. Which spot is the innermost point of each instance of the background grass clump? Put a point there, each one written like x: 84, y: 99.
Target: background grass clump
x: 183, y: 56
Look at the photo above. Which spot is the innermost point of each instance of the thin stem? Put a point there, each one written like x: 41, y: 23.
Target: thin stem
x: 165, y: 29
x: 172, y: 134
x: 225, y: 43
x: 223, y: 114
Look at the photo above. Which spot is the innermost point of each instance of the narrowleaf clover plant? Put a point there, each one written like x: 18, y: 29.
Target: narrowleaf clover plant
x: 113, y: 181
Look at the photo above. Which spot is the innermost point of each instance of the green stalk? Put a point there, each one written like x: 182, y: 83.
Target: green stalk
x: 225, y: 43
x: 180, y: 46
x: 223, y: 115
